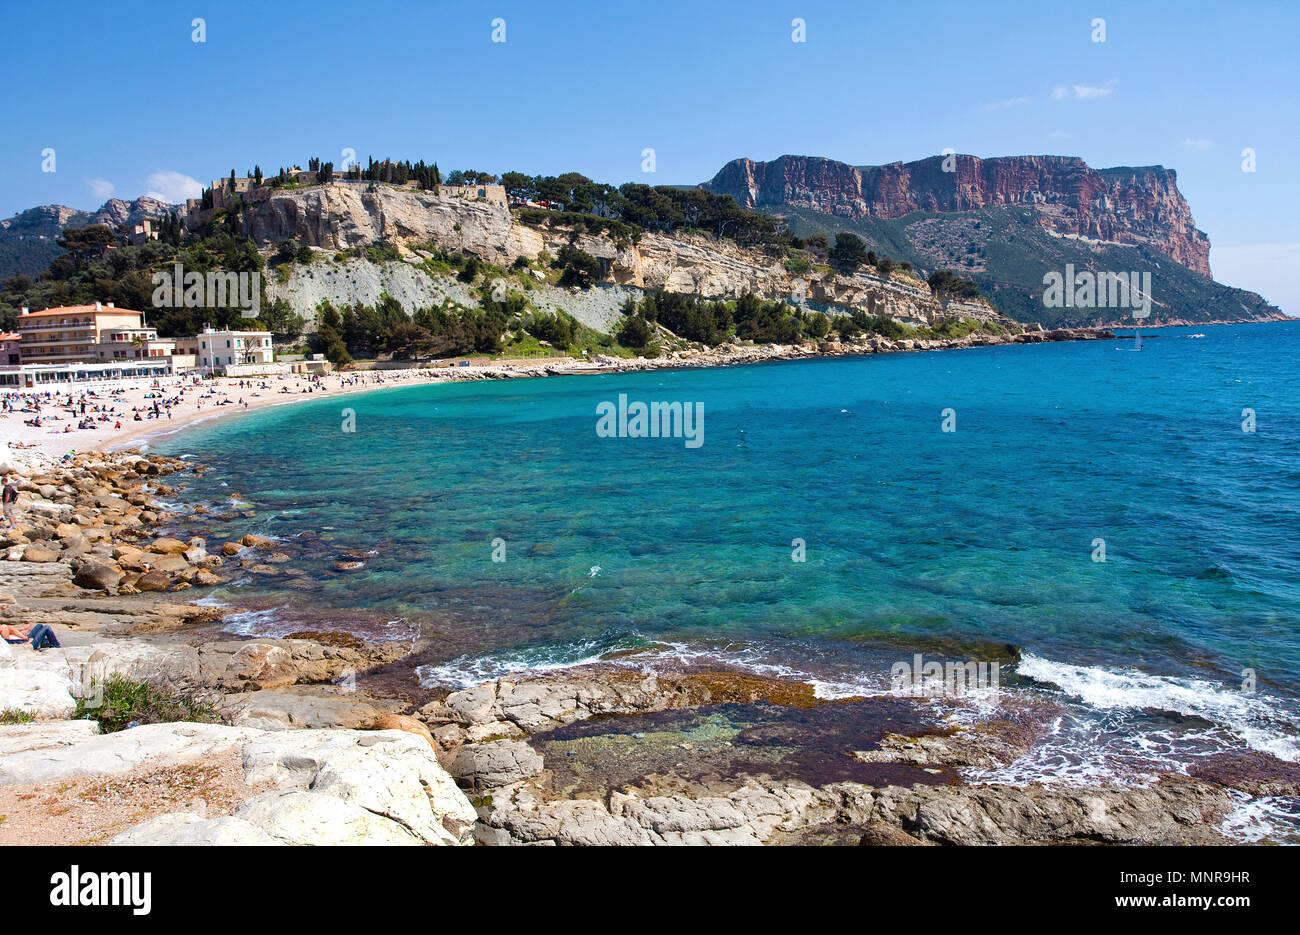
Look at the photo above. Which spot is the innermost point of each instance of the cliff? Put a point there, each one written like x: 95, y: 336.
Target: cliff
x: 1139, y: 206
x: 339, y: 216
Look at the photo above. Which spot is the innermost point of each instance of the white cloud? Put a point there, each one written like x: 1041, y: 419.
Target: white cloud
x: 102, y: 188
x: 1059, y: 135
x: 1197, y: 143
x: 172, y: 187
x: 1085, y: 92
x: 1271, y: 269
x: 1007, y: 104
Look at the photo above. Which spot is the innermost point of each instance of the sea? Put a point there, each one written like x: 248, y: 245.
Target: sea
x: 1114, y: 528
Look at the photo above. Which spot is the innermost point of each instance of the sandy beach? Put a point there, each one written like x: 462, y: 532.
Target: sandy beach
x: 109, y: 420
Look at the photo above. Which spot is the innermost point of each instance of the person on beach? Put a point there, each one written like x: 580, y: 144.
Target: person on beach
x: 38, y: 634
x: 10, y: 501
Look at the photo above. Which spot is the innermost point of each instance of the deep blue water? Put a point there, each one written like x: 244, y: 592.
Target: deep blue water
x: 917, y: 540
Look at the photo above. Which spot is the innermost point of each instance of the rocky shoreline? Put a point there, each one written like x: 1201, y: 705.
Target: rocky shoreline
x: 318, y: 747
x: 725, y: 355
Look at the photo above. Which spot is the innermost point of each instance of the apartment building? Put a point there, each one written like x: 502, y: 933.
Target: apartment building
x: 73, y: 332
x: 215, y: 350
x: 84, y: 333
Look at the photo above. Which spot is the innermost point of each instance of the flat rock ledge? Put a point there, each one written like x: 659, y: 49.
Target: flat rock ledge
x: 250, y: 681
x: 763, y: 811
x: 329, y: 786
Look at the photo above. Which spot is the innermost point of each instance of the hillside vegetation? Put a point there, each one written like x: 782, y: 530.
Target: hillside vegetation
x: 1006, y: 252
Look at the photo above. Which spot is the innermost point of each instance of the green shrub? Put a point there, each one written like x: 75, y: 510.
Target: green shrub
x: 382, y: 253
x: 948, y: 283
x: 634, y: 333
x: 798, y: 263
x: 122, y: 701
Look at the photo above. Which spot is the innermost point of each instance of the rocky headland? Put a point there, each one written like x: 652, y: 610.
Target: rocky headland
x: 1007, y: 221
x: 1136, y: 205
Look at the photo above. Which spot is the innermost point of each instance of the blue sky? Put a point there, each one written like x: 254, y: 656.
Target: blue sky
x: 131, y: 105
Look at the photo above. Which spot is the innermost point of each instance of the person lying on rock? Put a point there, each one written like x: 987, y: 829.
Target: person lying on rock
x: 38, y: 634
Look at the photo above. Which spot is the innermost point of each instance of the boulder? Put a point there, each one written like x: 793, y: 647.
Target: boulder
x: 168, y: 546
x: 98, y: 577
x: 152, y: 580
x: 264, y: 665
x: 39, y: 553
x: 168, y: 563
x: 74, y: 547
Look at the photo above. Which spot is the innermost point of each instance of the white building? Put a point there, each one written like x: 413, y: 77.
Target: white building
x: 65, y: 377
x: 216, y: 350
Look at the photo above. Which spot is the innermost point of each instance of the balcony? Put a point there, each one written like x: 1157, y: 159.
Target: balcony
x: 79, y: 323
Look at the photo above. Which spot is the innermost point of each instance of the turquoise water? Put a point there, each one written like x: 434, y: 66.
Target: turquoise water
x: 917, y: 540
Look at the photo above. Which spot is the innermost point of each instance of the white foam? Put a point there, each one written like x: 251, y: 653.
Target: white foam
x: 1273, y: 818
x: 1258, y: 719
x: 252, y: 622
x: 468, y: 671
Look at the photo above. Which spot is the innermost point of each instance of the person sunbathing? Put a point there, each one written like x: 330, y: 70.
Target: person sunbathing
x: 38, y: 634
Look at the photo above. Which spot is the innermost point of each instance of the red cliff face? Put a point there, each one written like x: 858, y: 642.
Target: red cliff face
x: 1122, y: 205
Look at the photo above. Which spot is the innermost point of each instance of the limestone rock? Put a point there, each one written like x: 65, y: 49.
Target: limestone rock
x: 315, y: 819
x: 116, y: 753
x: 484, y: 766
x: 263, y: 664
x: 186, y: 829
x: 282, y: 709
x: 387, y: 772
x: 407, y: 723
